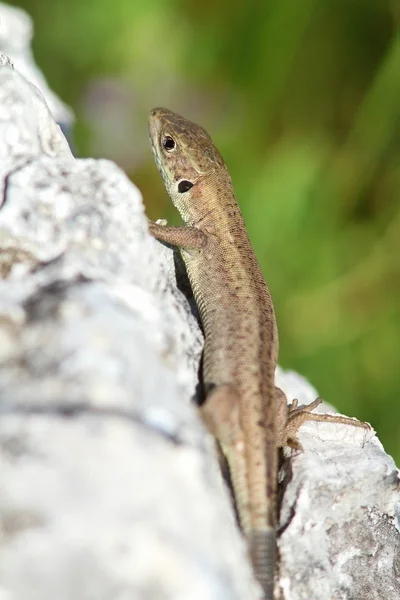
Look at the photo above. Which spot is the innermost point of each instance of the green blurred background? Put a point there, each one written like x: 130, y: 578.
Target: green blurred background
x: 303, y: 100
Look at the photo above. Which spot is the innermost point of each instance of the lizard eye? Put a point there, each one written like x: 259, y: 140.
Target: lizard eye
x: 168, y: 143
x: 184, y: 186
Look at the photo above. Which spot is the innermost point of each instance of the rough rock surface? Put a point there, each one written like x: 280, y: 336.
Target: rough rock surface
x: 109, y: 486
x: 16, y: 30
x: 340, y: 513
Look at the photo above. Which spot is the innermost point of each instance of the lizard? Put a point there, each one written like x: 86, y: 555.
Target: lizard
x: 243, y: 409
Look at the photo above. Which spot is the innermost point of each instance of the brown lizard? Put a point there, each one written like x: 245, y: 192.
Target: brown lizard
x: 243, y: 409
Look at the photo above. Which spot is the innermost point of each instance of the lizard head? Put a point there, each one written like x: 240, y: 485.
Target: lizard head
x: 183, y: 151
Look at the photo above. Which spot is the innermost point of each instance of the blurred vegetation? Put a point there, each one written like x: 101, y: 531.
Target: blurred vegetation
x: 303, y: 100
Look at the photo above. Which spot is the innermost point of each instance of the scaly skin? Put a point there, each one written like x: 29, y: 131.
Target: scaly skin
x: 243, y: 409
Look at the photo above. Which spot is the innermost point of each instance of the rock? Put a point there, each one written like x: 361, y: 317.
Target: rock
x: 16, y: 30
x: 340, y: 513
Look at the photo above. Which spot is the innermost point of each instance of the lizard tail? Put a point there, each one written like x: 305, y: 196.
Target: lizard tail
x: 262, y: 544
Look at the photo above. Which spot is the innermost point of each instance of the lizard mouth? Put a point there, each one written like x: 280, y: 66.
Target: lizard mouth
x: 157, y: 118
x: 154, y: 131
x: 154, y: 126
x: 156, y: 121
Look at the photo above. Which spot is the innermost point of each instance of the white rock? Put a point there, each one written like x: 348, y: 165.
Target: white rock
x: 338, y: 517
x: 340, y: 512
x: 16, y: 30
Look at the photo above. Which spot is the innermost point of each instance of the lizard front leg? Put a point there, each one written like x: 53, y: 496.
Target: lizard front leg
x: 185, y: 237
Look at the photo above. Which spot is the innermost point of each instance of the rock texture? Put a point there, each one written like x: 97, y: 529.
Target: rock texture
x: 340, y: 514
x: 109, y: 485
x: 16, y: 31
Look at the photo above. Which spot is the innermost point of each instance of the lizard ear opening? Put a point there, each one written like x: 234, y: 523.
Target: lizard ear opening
x: 184, y: 186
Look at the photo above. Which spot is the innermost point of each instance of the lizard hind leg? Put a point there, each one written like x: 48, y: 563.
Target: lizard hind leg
x: 296, y: 416
x: 220, y: 413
